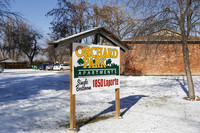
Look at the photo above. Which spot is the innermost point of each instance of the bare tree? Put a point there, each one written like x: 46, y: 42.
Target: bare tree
x: 5, y: 15
x: 29, y: 43
x: 20, y: 39
x: 10, y: 36
x: 70, y: 17
x: 115, y: 18
x: 182, y: 15
x: 57, y: 55
x: 5, y: 12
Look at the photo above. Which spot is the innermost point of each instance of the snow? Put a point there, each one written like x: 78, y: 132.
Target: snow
x: 34, y: 101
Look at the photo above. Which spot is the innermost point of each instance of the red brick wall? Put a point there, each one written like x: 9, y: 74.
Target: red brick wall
x: 159, y: 59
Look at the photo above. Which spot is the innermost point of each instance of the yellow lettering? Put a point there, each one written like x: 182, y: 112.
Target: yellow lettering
x: 109, y: 54
x: 91, y: 65
x: 86, y: 61
x: 82, y: 52
x: 115, y: 53
x: 87, y: 51
x: 102, y: 63
x: 92, y: 53
x: 97, y: 56
x: 105, y: 52
x: 97, y: 62
x: 99, y: 52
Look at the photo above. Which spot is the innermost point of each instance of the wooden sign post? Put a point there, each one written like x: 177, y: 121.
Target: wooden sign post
x: 92, y: 68
x: 72, y: 128
x: 117, y: 103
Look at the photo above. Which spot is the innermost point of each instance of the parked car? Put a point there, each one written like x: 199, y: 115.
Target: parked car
x: 1, y: 68
x: 35, y: 67
x: 59, y: 67
x: 43, y: 66
x: 49, y: 67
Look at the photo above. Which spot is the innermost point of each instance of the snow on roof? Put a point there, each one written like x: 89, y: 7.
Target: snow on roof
x: 7, y: 60
x: 109, y: 36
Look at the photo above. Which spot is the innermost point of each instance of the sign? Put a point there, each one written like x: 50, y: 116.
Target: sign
x: 95, y: 67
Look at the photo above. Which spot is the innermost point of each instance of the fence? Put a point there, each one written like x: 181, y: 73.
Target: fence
x: 13, y: 65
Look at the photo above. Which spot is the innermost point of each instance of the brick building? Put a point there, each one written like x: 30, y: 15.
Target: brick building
x: 160, y: 54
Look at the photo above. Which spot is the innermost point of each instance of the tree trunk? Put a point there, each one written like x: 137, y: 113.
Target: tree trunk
x: 2, y: 53
x: 9, y: 51
x: 30, y: 62
x: 187, y: 70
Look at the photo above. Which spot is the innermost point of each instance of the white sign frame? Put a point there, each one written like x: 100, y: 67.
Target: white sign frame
x: 95, y: 67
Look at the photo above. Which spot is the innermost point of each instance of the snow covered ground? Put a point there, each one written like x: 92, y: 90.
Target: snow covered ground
x: 33, y: 101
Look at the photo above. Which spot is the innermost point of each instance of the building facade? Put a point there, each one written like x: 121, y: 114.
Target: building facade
x: 160, y: 54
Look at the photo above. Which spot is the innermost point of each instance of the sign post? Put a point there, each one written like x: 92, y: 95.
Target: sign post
x: 117, y: 103
x: 72, y: 128
x: 93, y: 68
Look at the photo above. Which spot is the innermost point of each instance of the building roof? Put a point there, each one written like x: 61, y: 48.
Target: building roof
x: 164, y: 35
x: 7, y: 60
x: 3, y: 59
x: 102, y: 32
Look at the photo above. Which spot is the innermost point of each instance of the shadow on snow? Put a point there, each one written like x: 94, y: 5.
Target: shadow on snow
x: 183, y: 86
x: 125, y: 103
x: 20, y: 88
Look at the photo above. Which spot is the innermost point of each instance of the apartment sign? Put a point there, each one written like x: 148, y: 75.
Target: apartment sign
x: 95, y: 67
